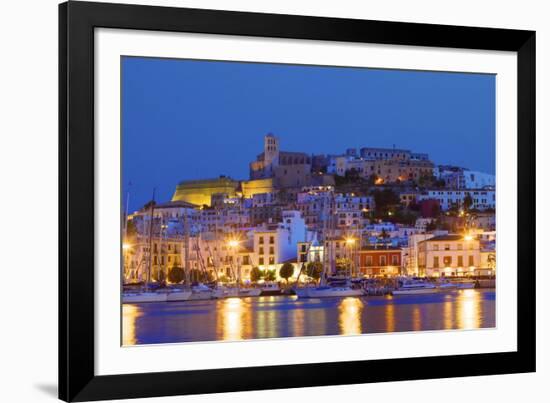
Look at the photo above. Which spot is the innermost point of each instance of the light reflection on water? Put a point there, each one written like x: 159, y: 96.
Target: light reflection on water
x: 350, y: 315
x: 287, y: 316
x: 130, y: 314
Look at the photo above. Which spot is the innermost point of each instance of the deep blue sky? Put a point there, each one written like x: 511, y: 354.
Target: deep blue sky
x: 185, y: 119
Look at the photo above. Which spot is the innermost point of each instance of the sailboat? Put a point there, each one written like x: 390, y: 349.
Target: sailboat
x: 329, y: 289
x: 139, y: 296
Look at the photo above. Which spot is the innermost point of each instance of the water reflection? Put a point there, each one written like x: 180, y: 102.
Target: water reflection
x: 350, y: 315
x: 448, y: 316
x: 416, y: 319
x: 287, y: 316
x: 468, y: 309
x: 230, y: 319
x: 390, y: 318
x: 130, y: 313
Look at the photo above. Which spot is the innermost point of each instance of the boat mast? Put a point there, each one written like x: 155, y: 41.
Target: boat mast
x: 150, y: 260
x: 186, y: 247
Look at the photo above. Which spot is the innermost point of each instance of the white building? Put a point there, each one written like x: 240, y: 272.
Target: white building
x: 481, y: 199
x: 478, y: 180
x: 460, y: 178
x: 449, y: 255
x: 275, y: 244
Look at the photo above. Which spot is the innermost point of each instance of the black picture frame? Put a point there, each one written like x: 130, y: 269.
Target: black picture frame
x: 77, y: 379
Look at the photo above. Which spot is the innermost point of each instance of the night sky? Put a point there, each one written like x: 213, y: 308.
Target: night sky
x: 184, y: 119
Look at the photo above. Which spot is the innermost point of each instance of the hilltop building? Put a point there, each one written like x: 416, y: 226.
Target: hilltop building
x: 200, y: 192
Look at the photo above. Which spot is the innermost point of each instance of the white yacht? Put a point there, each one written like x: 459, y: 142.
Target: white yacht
x: 270, y: 289
x: 334, y: 291
x: 177, y: 294
x: 463, y: 284
x: 445, y: 285
x: 229, y: 292
x: 249, y: 292
x: 201, y: 292
x: 414, y: 286
x: 137, y: 297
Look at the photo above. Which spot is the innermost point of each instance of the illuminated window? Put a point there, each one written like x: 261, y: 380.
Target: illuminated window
x: 271, y: 260
x: 261, y: 261
x: 436, y: 261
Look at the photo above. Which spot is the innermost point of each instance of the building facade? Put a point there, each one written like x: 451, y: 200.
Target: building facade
x: 449, y: 255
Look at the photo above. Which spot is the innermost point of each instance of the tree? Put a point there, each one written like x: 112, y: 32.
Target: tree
x: 467, y: 203
x: 197, y: 275
x: 384, y: 199
x: 269, y: 275
x: 286, y: 271
x: 436, y: 210
x: 159, y: 276
x: 176, y: 275
x: 314, y: 270
x: 255, y: 274
x: 431, y: 226
x: 426, y: 180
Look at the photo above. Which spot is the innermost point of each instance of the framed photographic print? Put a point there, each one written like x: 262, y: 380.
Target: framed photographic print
x: 257, y: 201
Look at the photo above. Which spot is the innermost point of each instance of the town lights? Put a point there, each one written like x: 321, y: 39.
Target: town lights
x: 233, y: 243
x: 350, y: 241
x: 468, y: 237
x: 126, y: 246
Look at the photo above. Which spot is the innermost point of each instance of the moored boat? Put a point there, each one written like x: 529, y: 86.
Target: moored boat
x: 138, y: 297
x: 178, y: 295
x: 249, y: 292
x: 334, y: 291
x: 415, y: 286
x: 201, y: 292
x: 463, y: 284
x: 270, y: 289
x: 445, y: 285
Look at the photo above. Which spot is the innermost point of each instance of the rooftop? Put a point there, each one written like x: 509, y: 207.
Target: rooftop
x: 452, y: 237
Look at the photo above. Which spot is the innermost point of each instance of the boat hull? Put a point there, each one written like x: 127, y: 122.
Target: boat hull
x: 465, y: 286
x: 333, y: 292
x: 201, y: 296
x: 302, y: 292
x: 270, y: 293
x: 250, y: 292
x: 142, y: 297
x: 178, y: 296
x: 416, y: 292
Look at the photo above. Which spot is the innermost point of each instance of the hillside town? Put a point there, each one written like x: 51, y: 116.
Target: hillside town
x: 370, y: 213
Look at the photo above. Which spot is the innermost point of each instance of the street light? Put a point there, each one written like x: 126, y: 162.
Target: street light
x: 350, y: 241
x: 233, y: 243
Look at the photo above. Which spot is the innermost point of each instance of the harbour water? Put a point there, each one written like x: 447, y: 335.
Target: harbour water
x: 288, y: 316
